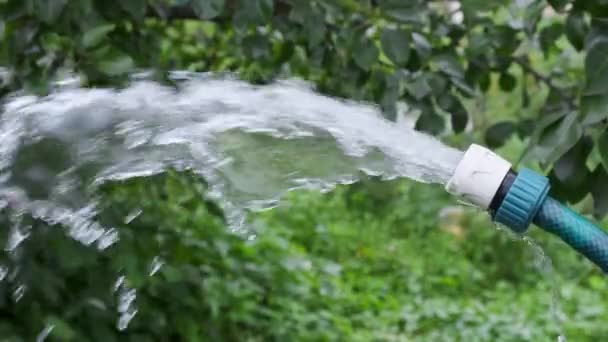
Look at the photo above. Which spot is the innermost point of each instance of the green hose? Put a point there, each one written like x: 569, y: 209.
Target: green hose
x: 527, y: 201
x: 578, y: 232
x: 518, y: 199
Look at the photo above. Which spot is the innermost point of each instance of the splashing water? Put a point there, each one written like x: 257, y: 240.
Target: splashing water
x: 250, y: 143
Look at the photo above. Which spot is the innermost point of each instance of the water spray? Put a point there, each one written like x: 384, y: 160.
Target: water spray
x: 518, y: 199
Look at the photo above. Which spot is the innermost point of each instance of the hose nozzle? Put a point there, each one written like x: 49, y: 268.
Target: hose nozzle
x: 478, y: 176
x: 517, y: 200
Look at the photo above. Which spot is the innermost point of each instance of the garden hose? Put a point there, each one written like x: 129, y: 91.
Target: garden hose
x: 517, y: 200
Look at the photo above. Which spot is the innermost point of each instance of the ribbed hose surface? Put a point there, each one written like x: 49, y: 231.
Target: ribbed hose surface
x: 575, y: 230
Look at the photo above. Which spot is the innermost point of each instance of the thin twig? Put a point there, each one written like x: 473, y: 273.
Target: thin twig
x: 563, y: 92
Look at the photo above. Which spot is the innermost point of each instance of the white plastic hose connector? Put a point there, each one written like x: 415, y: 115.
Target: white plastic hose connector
x: 478, y: 176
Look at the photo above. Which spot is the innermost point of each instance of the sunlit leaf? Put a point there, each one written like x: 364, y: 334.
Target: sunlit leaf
x: 116, y: 65
x: 94, y: 36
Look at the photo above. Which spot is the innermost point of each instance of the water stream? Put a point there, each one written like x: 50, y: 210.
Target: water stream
x: 252, y: 144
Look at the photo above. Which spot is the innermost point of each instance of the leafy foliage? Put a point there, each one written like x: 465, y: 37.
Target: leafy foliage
x: 368, y: 262
x: 353, y: 265
x: 435, y: 56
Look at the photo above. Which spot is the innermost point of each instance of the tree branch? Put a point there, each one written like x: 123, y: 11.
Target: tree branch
x: 527, y: 68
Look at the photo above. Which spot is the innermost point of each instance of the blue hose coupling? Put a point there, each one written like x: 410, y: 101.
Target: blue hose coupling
x: 517, y: 200
x: 523, y: 200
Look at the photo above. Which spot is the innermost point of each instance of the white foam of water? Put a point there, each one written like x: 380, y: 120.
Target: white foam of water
x: 251, y: 144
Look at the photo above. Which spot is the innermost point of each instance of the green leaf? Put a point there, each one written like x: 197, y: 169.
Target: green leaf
x: 437, y: 82
x: 459, y: 118
x: 555, y: 137
x: 49, y: 10
x: 504, y: 39
x: 419, y: 88
x: 498, y: 134
x: 458, y: 113
x: 446, y: 101
x: 207, y: 9
x: 365, y: 53
x: 525, y: 95
x: 558, y: 5
x: 602, y: 146
x: 395, y: 44
x: 484, y: 81
x: 549, y: 35
x: 482, y: 5
x: 507, y: 82
x: 256, y: 47
x: 532, y: 15
x: 421, y: 45
x: 571, y: 168
x: 282, y: 52
x: 576, y: 29
x: 473, y: 9
x: 463, y: 87
x: 596, y: 67
x: 61, y: 329
x: 314, y: 25
x: 478, y: 44
x: 430, y: 122
x: 449, y: 64
x: 409, y: 12
x: 599, y: 191
x: 390, y: 96
x: 253, y: 12
x: 525, y: 128
x: 116, y: 64
x: 567, y: 193
x: 594, y: 109
x: 570, y: 175
x: 93, y: 37
x: 135, y: 8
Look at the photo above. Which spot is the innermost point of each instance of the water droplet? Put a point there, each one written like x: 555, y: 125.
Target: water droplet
x: 118, y: 283
x: 126, y: 303
x: 3, y: 272
x: 156, y: 265
x: 133, y: 215
x: 107, y: 239
x: 16, y: 237
x: 19, y: 293
x: 45, y: 333
x: 125, y: 318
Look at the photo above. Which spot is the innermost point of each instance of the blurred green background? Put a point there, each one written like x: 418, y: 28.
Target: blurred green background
x: 374, y: 261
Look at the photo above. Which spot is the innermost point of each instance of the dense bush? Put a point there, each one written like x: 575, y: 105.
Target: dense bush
x: 341, y: 266
x: 436, y: 56
x: 374, y: 261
